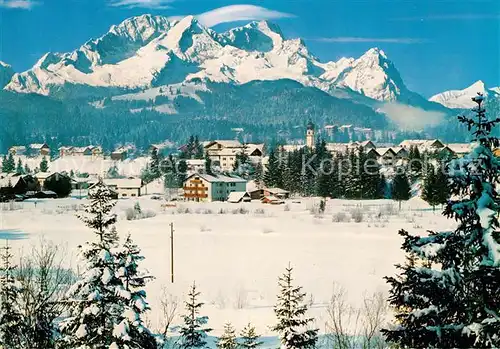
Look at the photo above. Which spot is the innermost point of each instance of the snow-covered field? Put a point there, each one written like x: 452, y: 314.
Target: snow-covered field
x: 235, y: 252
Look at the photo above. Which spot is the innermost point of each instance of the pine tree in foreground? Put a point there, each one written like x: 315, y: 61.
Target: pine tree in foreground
x: 293, y: 327
x: 448, y: 292
x: 131, y: 331
x: 228, y: 338
x: 11, y: 320
x: 249, y: 339
x: 193, y: 333
x: 95, y: 302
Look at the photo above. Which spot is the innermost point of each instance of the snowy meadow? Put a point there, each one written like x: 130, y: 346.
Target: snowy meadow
x: 236, y: 252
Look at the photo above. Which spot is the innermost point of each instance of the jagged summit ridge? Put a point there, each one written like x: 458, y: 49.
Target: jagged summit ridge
x: 133, y: 53
x: 462, y: 98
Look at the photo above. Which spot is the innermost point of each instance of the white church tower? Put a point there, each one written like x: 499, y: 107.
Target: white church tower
x: 310, y: 141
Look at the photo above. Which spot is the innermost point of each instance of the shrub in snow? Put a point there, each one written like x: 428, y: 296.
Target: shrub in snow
x: 241, y: 298
x: 249, y: 339
x: 193, y: 333
x: 357, y: 215
x: 10, y: 206
x: 286, y: 208
x: 132, y: 214
x: 387, y: 210
x: 240, y: 210
x: 293, y: 326
x: 448, y: 292
x: 259, y: 211
x: 228, y: 339
x: 183, y: 210
x: 339, y: 217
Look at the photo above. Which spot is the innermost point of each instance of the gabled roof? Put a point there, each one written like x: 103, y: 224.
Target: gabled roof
x: 217, y: 179
x: 17, y: 147
x: 237, y: 196
x: 276, y: 191
x: 38, y: 145
x: 384, y: 151
x: 423, y: 143
x: 399, y: 150
x: 250, y: 148
x: 9, y: 178
x: 225, y: 143
x: 460, y: 148
x: 366, y: 143
x: 43, y: 175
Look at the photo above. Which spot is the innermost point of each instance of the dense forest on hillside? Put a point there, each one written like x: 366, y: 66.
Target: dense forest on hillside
x: 266, y: 111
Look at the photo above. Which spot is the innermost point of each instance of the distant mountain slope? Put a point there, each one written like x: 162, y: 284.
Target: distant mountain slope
x: 461, y: 99
x: 266, y: 110
x: 6, y: 73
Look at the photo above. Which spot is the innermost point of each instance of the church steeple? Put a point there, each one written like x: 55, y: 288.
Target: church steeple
x: 310, y: 141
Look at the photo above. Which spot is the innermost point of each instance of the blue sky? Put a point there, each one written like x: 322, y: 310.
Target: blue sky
x: 436, y: 45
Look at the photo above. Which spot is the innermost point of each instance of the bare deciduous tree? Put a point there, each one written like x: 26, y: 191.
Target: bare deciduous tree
x: 169, y: 310
x: 44, y: 279
x: 349, y: 327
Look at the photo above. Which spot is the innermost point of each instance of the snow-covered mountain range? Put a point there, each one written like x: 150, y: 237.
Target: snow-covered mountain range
x: 147, y: 52
x: 462, y: 98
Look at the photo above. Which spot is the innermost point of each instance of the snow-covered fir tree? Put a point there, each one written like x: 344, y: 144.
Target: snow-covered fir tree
x: 400, y: 187
x: 249, y: 339
x: 11, y: 319
x: 131, y: 331
x: 293, y: 326
x: 44, y: 165
x: 447, y: 294
x: 228, y: 339
x: 193, y: 331
x: 273, y: 176
x: 154, y: 164
x: 435, y: 189
x: 95, y: 302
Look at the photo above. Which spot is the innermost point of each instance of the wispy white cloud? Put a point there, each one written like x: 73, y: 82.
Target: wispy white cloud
x: 233, y: 13
x: 452, y: 17
x: 19, y: 4
x: 411, y: 118
x: 354, y: 39
x: 156, y: 4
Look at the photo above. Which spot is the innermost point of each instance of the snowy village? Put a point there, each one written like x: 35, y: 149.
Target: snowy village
x: 198, y: 178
